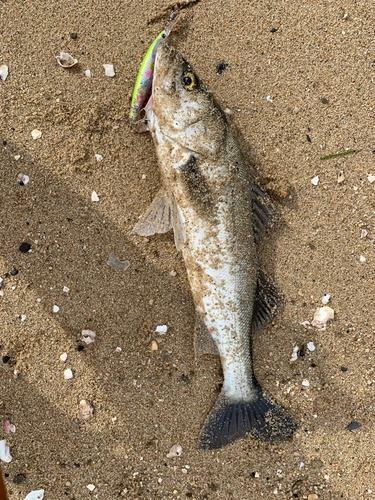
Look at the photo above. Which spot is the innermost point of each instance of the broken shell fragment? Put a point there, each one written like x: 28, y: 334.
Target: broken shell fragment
x: 340, y: 177
x: 68, y: 374
x: 119, y: 265
x: 322, y: 316
x: 3, y: 72
x: 22, y: 179
x: 94, y: 196
x: 5, y: 455
x: 88, y: 73
x: 35, y: 495
x: 7, y: 427
x: 85, y: 410
x: 109, y: 71
x: 36, y: 134
x: 66, y: 60
x: 175, y: 451
x: 154, y: 346
x: 371, y: 178
x: 88, y: 336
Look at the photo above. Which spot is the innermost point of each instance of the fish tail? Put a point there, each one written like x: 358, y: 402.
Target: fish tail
x: 231, y: 419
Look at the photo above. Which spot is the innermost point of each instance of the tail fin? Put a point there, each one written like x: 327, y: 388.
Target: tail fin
x: 232, y: 419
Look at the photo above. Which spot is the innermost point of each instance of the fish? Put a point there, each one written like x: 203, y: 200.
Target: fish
x: 218, y: 213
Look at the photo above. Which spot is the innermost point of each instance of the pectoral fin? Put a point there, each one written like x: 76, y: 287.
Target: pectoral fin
x: 178, y: 224
x: 157, y: 219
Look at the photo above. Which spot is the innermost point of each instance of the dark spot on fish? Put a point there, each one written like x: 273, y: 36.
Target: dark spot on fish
x: 197, y: 188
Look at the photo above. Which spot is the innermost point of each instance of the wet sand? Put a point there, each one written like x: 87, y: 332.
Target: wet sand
x: 315, y: 64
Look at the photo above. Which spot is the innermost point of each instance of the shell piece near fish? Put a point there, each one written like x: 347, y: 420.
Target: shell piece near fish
x: 65, y: 60
x: 322, y: 316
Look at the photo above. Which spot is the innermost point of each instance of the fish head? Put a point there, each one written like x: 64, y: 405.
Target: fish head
x: 184, y: 110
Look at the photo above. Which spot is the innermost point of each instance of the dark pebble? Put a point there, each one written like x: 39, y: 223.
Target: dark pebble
x: 80, y: 348
x: 73, y: 36
x: 313, y: 365
x: 20, y: 478
x: 221, y: 67
x: 5, y: 143
x: 14, y: 271
x: 301, y: 353
x: 323, y: 100
x: 273, y: 30
x: 6, y: 359
x: 6, y: 475
x: 308, y: 138
x: 184, y: 378
x: 343, y: 369
x: 354, y: 425
x: 24, y: 247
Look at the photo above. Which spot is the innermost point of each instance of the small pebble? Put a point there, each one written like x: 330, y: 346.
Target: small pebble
x: 154, y: 346
x: 311, y: 346
x: 17, y: 157
x: 109, y: 71
x: 315, y: 180
x: 5, y: 359
x: 23, y: 317
x: 308, y: 138
x: 91, y: 487
x: 362, y: 258
x: 68, y: 374
x: 56, y: 309
x: 14, y: 271
x: 354, y: 425
x: 312, y: 496
x: 64, y: 356
x: 175, y: 451
x: 94, y: 196
x: 326, y: 298
x: 273, y: 30
x: 88, y: 73
x: 5, y: 455
x: 80, y: 348
x: 364, y: 233
x: 343, y: 369
x: 371, y: 178
x: 295, y: 353
x: 36, y: 134
x: 66, y: 289
x: 73, y: 36
x: 269, y: 98
x: 19, y: 479
x: 221, y: 67
x: 118, y: 349
x: 161, y: 329
x: 24, y: 247
x: 305, y: 383
x: 98, y: 157
x: 323, y: 100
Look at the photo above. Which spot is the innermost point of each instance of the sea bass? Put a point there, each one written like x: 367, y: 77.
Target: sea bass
x: 217, y: 212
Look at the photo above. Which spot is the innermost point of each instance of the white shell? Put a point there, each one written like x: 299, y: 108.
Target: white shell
x: 3, y: 72
x: 161, y: 329
x: 36, y: 134
x: 295, y: 355
x: 315, y: 180
x: 56, y: 309
x: 17, y: 157
x: 362, y: 259
x: 35, y: 495
x: 88, y: 73
x: 5, y: 451
x: 326, y: 298
x: 68, y: 374
x: 109, y: 71
x: 66, y: 60
x: 85, y: 410
x: 88, y: 336
x: 91, y: 487
x: 98, y: 157
x: 175, y: 451
x: 340, y: 177
x: 64, y: 356
x: 311, y: 346
x: 94, y: 196
x: 305, y: 383
x: 371, y: 178
x: 322, y: 316
x: 22, y: 178
x: 66, y: 289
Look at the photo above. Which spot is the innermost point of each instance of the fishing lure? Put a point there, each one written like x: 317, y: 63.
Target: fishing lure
x: 143, y: 83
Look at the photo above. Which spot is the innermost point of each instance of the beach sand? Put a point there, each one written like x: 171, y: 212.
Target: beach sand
x: 299, y: 84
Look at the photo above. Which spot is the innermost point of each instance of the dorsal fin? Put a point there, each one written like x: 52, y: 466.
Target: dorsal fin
x: 264, y: 215
x: 267, y: 303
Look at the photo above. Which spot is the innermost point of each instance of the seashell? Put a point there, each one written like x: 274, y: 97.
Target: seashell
x: 3, y: 72
x: 64, y: 357
x: 94, y: 196
x: 175, y: 451
x: 22, y: 179
x: 68, y: 374
x: 5, y: 451
x: 36, y: 134
x: 88, y: 336
x: 88, y: 73
x: 322, y: 316
x: 66, y: 60
x: 7, y: 427
x: 109, y: 71
x: 340, y: 177
x: 85, y: 410
x: 35, y: 495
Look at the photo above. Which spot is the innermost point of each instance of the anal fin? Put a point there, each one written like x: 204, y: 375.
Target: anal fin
x: 203, y: 341
x: 264, y: 214
x: 267, y: 304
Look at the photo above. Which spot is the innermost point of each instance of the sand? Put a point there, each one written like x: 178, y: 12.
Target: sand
x: 283, y: 58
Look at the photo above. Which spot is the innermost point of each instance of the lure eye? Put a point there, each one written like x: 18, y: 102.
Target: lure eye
x: 189, y: 81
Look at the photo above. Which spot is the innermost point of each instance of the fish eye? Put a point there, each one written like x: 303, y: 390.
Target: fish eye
x: 189, y: 81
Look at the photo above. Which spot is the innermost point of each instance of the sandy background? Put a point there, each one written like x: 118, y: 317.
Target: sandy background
x: 146, y: 401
